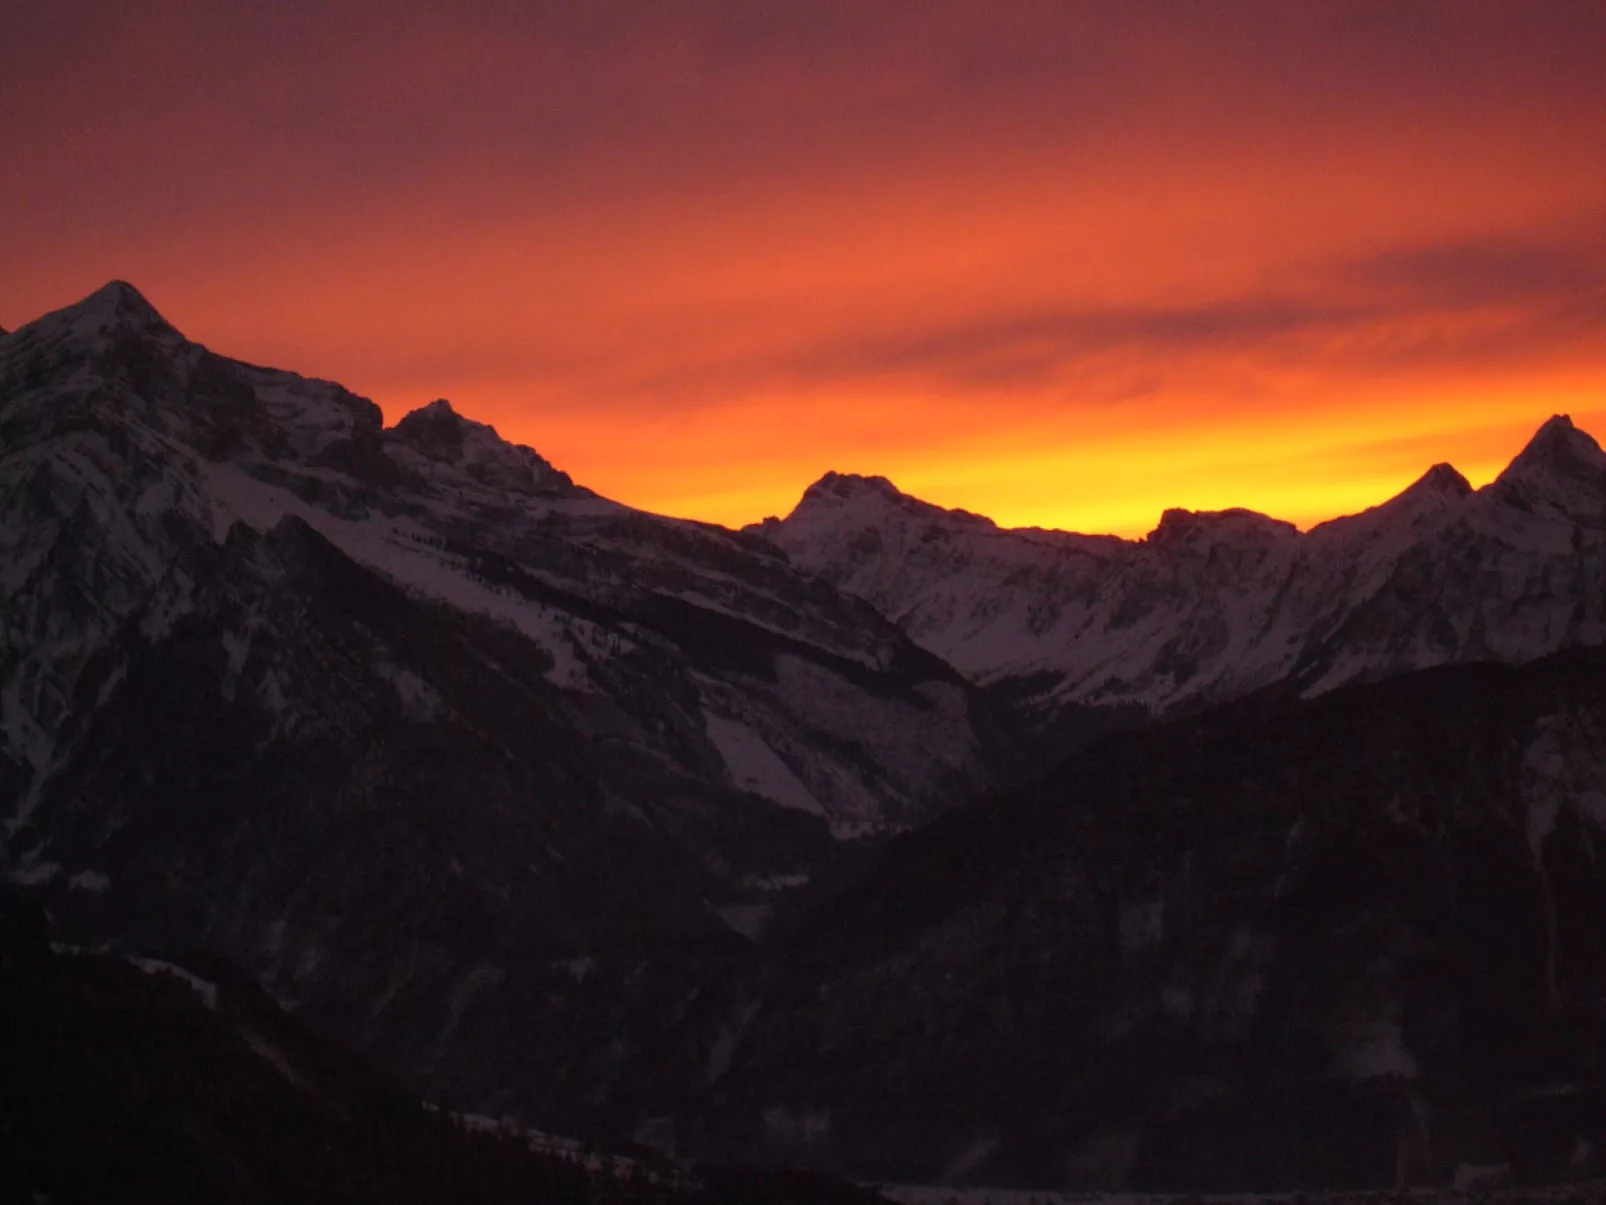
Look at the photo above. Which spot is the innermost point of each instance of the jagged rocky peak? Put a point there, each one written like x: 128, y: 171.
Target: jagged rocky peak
x: 1179, y: 527
x: 846, y: 487
x: 1561, y: 470
x: 115, y: 308
x: 1439, y: 488
x: 122, y: 301
x: 1442, y: 480
x: 436, y: 430
x: 1427, y: 502
x: 851, y: 484
x: 844, y: 495
x: 1558, y: 447
x: 439, y: 433
x: 1437, y: 492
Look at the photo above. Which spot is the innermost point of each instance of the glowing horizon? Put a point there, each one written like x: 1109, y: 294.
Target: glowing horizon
x: 1062, y: 264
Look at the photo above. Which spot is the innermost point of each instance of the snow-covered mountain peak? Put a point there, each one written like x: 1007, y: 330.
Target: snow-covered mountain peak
x: 1558, y: 447
x: 436, y: 430
x: 852, y: 485
x: 1426, y: 502
x: 122, y: 298
x: 1216, y: 604
x: 1443, y: 480
x: 837, y: 490
x: 1202, y: 529
x: 1561, y: 471
x: 116, y: 308
x: 137, y: 465
x: 842, y: 501
x: 439, y: 433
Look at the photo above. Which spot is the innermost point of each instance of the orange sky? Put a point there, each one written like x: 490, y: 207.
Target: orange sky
x: 1061, y: 263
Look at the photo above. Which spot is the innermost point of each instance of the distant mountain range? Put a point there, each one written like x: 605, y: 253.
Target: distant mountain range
x: 561, y: 809
x: 1215, y: 605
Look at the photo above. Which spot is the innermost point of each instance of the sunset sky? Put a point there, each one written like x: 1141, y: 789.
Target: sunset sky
x: 1061, y: 262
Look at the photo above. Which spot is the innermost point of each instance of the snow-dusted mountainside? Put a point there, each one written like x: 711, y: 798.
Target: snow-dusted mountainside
x: 438, y: 745
x: 125, y: 446
x: 1215, y: 605
x: 538, y: 800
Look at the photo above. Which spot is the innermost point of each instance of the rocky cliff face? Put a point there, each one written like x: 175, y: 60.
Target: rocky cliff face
x: 1213, y: 606
x: 437, y: 744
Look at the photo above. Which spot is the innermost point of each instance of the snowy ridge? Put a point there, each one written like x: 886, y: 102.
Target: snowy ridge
x: 1214, y: 605
x: 129, y: 451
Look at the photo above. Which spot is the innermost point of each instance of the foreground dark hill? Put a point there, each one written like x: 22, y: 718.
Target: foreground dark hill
x: 137, y: 1080
x: 443, y: 749
x: 1349, y: 942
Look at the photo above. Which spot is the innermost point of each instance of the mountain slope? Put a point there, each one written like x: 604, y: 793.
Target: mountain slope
x: 118, y: 434
x: 1348, y: 942
x: 136, y: 1079
x: 1213, y: 606
x: 442, y: 748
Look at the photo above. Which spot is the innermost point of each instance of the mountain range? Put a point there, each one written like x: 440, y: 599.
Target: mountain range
x: 1212, y: 606
x: 876, y: 838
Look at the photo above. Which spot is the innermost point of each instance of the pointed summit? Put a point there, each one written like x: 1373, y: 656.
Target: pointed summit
x: 1438, y: 490
x: 439, y: 433
x: 1440, y: 487
x: 857, y: 498
x: 1558, y: 446
x: 436, y: 430
x: 115, y: 307
x: 1562, y: 469
x: 846, y: 486
x: 120, y: 304
x: 1442, y: 480
x: 1430, y: 500
x: 121, y: 294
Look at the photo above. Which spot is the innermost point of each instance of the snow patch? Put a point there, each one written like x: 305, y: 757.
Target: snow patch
x: 207, y: 991
x: 464, y: 994
x: 776, y: 882
x: 32, y: 873
x: 747, y: 919
x: 723, y: 1048
x: 1373, y: 1049
x: 419, y: 700
x: 971, y: 1157
x: 405, y: 552
x: 754, y: 766
x: 273, y: 1056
